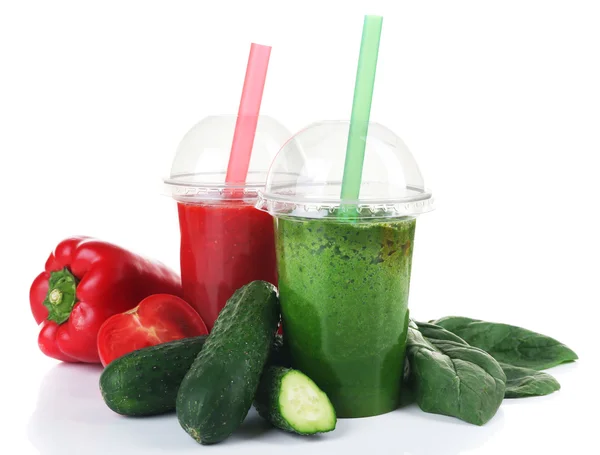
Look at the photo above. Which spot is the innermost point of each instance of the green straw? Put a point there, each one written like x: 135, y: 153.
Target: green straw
x: 361, y: 107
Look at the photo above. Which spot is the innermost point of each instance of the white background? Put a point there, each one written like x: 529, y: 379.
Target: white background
x: 499, y: 101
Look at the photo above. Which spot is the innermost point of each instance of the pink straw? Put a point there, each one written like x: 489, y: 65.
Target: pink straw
x: 245, y: 127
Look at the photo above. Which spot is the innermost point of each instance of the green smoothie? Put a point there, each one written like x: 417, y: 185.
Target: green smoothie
x: 344, y: 295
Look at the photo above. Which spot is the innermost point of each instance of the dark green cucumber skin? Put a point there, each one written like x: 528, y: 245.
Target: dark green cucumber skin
x: 145, y: 382
x: 219, y: 388
x: 267, y: 393
x: 280, y: 353
x: 267, y: 398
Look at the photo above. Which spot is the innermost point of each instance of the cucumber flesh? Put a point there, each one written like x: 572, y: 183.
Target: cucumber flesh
x: 290, y: 400
x: 304, y: 406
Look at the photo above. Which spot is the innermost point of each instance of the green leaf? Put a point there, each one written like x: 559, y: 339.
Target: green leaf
x: 450, y: 377
x: 525, y: 382
x: 509, y: 344
x: 429, y: 330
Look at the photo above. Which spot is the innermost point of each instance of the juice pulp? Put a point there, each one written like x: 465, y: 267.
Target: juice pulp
x: 343, y: 288
x: 223, y: 247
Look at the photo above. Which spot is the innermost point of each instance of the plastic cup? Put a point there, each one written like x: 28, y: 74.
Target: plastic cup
x: 225, y: 242
x: 344, y: 266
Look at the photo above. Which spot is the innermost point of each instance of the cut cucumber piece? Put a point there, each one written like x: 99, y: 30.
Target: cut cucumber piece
x: 291, y: 401
x: 280, y: 353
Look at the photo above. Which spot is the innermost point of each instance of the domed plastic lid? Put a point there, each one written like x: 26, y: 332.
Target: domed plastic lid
x: 200, y: 165
x: 305, y: 179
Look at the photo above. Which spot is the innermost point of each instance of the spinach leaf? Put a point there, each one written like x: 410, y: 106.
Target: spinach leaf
x: 452, y: 378
x: 509, y: 344
x: 429, y: 330
x: 520, y: 382
x: 525, y: 382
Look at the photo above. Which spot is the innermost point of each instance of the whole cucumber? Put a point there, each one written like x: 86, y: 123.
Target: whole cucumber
x: 145, y: 382
x: 219, y: 388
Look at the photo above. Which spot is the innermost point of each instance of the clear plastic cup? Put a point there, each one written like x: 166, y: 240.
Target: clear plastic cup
x: 225, y: 241
x: 344, y: 266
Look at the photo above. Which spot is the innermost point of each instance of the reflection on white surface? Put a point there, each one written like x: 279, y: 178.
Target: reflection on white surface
x: 71, y: 418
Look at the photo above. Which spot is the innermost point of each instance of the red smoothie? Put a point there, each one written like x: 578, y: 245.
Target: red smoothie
x: 223, y: 247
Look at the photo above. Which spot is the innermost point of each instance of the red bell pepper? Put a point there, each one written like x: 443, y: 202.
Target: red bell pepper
x: 84, y: 283
x: 157, y: 319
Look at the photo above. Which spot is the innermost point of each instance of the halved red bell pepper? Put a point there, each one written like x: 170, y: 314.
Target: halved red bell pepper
x: 157, y: 319
x: 84, y: 283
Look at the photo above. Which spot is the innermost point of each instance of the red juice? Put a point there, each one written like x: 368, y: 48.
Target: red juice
x: 223, y: 247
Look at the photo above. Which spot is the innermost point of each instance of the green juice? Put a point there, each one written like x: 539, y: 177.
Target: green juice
x: 344, y: 289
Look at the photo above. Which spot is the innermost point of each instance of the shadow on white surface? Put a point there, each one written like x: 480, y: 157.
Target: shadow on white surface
x: 71, y: 418
x: 432, y: 434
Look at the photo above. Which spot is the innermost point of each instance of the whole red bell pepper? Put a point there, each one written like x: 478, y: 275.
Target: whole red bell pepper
x: 84, y: 283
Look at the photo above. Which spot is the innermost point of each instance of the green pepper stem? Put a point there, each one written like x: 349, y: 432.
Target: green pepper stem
x: 55, y: 296
x: 61, y: 297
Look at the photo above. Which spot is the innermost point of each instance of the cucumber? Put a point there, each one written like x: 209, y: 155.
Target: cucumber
x: 145, y: 382
x: 280, y: 353
x: 290, y: 400
x: 218, y: 390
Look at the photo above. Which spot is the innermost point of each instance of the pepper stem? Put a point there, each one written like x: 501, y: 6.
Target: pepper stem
x: 61, y: 297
